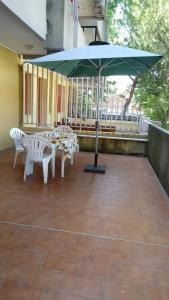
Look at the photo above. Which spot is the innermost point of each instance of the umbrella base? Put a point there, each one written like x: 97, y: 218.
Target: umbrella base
x: 95, y: 169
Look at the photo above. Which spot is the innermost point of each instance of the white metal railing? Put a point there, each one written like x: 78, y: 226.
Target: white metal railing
x: 143, y: 124
x: 50, y: 99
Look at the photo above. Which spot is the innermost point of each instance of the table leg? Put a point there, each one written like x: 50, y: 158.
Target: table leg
x: 53, y: 162
x: 62, y: 164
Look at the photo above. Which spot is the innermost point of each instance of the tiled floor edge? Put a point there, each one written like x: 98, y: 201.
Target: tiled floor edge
x: 84, y: 234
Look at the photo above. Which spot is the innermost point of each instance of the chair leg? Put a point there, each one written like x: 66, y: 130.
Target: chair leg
x: 23, y: 157
x: 24, y: 176
x: 71, y: 160
x: 62, y: 164
x: 28, y: 168
x: 15, y: 159
x: 45, y: 171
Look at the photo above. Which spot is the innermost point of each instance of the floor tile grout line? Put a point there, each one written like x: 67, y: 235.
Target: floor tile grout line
x: 85, y: 234
x: 21, y: 277
x: 29, y: 243
x: 44, y: 259
x: 16, y: 230
x: 15, y: 248
x: 9, y: 255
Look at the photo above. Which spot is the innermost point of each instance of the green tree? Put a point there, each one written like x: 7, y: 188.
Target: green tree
x: 146, y: 26
x: 111, y: 20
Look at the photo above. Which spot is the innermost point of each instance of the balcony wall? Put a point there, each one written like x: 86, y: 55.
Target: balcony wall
x: 9, y: 95
x: 158, y: 153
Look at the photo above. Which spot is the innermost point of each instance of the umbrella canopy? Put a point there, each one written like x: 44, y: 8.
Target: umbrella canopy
x: 96, y: 60
x: 109, y: 59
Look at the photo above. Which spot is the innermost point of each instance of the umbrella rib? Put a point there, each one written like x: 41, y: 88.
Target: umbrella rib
x: 114, y: 65
x: 109, y: 62
x: 140, y: 62
x: 96, y: 67
x: 79, y: 64
x: 69, y: 75
x: 53, y: 69
x: 87, y: 66
x: 131, y: 66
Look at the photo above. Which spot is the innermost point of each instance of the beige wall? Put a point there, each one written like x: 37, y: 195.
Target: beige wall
x: 9, y: 95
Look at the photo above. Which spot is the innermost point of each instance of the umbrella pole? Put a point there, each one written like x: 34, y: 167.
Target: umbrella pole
x: 97, y: 120
x: 97, y: 168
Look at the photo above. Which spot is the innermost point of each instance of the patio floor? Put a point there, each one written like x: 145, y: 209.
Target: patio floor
x: 85, y: 236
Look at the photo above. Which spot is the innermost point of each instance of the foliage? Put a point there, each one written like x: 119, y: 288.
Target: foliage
x: 146, y: 26
x: 152, y: 92
x: 112, y: 24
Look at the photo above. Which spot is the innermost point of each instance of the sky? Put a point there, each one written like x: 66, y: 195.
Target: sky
x: 122, y: 82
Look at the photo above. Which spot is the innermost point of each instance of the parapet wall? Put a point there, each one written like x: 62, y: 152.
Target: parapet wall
x: 114, y: 144
x: 158, y: 153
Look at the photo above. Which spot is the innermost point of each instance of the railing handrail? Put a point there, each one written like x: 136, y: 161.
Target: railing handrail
x: 120, y: 138
x: 159, y: 127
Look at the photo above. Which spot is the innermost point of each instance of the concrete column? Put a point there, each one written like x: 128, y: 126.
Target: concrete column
x: 59, y: 25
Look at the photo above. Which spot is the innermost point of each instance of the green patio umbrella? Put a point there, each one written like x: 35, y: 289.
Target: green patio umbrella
x: 96, y: 60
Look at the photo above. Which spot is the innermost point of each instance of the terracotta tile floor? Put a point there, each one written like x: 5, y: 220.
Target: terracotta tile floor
x: 85, y: 236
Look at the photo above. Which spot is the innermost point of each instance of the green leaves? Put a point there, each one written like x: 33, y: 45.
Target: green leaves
x: 146, y: 24
x: 112, y: 28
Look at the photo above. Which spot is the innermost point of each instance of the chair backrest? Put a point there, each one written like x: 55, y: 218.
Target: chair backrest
x: 63, y: 129
x: 44, y: 134
x: 35, y: 147
x: 16, y: 134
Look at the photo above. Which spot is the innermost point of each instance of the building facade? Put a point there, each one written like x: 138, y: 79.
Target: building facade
x: 34, y: 28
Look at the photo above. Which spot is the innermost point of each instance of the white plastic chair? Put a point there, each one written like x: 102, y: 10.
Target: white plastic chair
x: 63, y: 129
x: 49, y: 135
x: 16, y: 134
x: 38, y: 150
x: 45, y: 134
